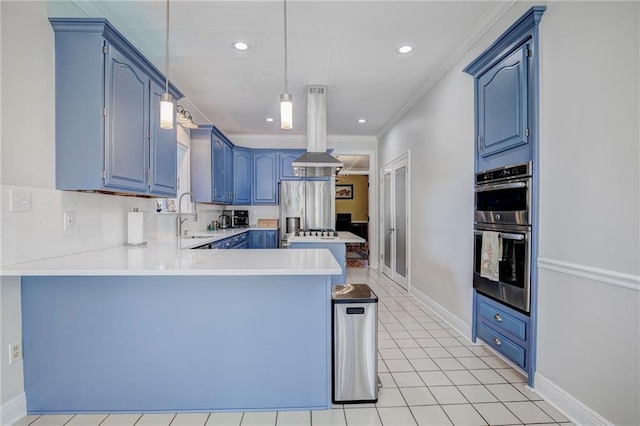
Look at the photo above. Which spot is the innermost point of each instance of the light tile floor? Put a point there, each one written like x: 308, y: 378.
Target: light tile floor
x: 431, y: 375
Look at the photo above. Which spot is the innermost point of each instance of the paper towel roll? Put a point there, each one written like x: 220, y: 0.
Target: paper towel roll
x: 135, y: 227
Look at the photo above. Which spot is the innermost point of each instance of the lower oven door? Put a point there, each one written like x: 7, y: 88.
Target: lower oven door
x: 514, y: 285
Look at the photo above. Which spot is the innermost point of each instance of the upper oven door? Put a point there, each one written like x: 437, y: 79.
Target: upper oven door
x: 505, y: 203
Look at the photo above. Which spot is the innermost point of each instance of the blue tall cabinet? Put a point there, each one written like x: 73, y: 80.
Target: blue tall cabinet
x: 108, y: 135
x: 506, y: 133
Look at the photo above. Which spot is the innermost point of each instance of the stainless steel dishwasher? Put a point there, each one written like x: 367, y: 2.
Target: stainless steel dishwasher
x: 355, y: 344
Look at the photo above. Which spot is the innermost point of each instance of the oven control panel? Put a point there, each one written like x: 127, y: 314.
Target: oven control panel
x: 520, y: 170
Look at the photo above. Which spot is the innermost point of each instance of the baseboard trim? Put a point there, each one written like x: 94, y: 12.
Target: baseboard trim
x: 567, y: 404
x: 446, y: 315
x: 605, y: 276
x: 13, y: 410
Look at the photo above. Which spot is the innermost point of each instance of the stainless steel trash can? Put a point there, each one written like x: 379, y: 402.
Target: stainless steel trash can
x: 355, y: 344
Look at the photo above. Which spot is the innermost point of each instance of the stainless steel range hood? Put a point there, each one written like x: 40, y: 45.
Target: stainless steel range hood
x: 316, y: 162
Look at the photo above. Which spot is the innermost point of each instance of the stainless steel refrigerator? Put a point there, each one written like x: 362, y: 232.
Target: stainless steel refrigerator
x: 312, y: 202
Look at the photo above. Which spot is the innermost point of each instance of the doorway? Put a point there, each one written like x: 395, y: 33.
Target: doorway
x: 352, y: 202
x: 394, y: 215
x: 352, y: 215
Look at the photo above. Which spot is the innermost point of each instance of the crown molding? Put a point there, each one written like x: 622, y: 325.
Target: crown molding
x: 494, y: 13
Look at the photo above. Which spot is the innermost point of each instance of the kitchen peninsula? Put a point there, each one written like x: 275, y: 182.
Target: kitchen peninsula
x: 337, y: 244
x: 165, y: 328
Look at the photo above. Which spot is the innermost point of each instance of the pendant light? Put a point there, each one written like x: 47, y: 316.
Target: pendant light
x: 167, y: 106
x: 286, y: 102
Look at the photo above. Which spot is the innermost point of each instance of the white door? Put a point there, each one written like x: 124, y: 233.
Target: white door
x: 395, y: 221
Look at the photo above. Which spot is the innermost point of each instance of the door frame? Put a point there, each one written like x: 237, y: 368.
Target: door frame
x: 374, y: 258
x: 392, y: 165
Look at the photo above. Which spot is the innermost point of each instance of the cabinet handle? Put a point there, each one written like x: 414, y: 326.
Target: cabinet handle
x: 497, y: 341
x: 497, y: 317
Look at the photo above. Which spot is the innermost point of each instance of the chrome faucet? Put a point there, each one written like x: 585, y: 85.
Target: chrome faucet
x: 195, y: 212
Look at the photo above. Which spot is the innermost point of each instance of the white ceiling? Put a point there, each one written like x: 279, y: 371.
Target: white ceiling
x: 349, y: 46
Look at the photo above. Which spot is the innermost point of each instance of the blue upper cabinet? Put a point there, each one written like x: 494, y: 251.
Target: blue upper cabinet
x: 264, y: 177
x: 107, y: 132
x: 212, y: 179
x: 241, y: 176
x: 126, y: 123
x: 164, y: 150
x: 502, y: 97
x: 220, y: 193
x: 506, y: 95
x: 228, y: 173
x: 286, y: 169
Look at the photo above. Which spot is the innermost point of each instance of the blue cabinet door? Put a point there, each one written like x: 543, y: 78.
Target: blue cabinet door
x: 241, y: 176
x: 228, y: 173
x: 264, y: 177
x: 256, y: 239
x: 163, y: 148
x: 217, y: 175
x: 502, y: 108
x: 126, y: 124
x: 286, y: 169
x: 271, y: 239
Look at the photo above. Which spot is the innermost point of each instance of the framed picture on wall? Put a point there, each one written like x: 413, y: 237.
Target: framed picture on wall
x: 344, y: 192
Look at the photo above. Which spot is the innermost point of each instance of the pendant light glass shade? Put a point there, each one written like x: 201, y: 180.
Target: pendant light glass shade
x: 286, y: 111
x: 167, y: 107
x: 166, y: 111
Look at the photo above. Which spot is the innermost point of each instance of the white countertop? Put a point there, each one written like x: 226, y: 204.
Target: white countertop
x: 173, y: 257
x: 343, y: 237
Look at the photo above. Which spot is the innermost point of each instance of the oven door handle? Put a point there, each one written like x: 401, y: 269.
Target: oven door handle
x: 498, y: 186
x: 506, y: 236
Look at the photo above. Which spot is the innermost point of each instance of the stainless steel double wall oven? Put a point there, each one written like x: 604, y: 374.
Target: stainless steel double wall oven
x: 503, y: 205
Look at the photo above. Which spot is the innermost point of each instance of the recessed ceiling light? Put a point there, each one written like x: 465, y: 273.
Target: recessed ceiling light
x: 404, y: 49
x: 269, y: 119
x: 362, y: 120
x: 241, y: 45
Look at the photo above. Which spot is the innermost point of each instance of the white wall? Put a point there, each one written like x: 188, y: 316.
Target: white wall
x: 438, y: 130
x: 588, y: 337
x: 589, y: 330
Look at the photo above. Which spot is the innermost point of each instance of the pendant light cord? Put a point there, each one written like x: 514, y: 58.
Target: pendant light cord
x: 286, y: 85
x: 166, y: 70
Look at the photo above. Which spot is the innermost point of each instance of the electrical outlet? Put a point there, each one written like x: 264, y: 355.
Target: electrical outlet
x: 20, y: 201
x: 70, y: 222
x: 15, y: 352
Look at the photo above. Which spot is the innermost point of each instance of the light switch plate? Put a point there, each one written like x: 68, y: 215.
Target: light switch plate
x: 20, y: 200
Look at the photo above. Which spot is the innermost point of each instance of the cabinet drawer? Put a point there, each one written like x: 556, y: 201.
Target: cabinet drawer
x: 502, y: 320
x: 503, y: 345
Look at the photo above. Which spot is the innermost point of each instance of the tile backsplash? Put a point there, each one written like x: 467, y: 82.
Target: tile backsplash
x: 101, y: 222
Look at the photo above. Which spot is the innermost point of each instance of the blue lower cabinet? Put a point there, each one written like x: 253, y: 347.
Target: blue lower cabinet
x: 502, y: 344
x: 267, y: 239
x: 216, y: 245
x: 256, y: 239
x: 240, y: 241
x: 501, y: 319
x: 504, y: 329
